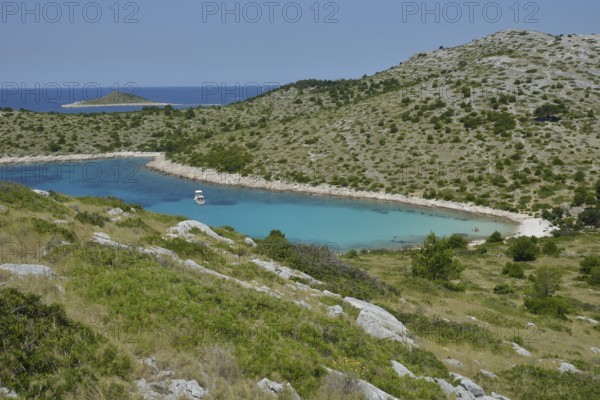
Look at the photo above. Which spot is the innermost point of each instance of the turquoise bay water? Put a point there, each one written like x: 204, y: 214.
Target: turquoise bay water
x: 339, y: 222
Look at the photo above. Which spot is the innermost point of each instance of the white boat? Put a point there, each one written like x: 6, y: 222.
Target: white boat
x: 199, y: 197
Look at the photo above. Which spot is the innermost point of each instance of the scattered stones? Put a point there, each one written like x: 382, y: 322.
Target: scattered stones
x: 184, y: 228
x: 250, y: 242
x: 489, y: 374
x: 531, y: 325
x: 370, y: 391
x: 335, y: 311
x: 401, y: 370
x: 469, y: 385
x: 379, y: 323
x: 28, y: 270
x: 588, y: 320
x: 595, y: 350
x: 520, y: 351
x: 499, y: 396
x: 276, y: 388
x: 566, y: 367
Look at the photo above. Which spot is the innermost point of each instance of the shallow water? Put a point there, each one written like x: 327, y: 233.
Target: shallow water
x: 303, y: 218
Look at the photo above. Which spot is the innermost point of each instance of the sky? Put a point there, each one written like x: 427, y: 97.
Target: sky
x: 194, y: 42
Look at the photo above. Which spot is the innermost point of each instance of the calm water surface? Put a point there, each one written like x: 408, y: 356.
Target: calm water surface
x: 303, y: 218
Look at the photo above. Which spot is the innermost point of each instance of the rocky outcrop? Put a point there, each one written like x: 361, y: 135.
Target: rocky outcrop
x: 335, y: 311
x: 401, y: 370
x: 184, y: 228
x: 250, y: 242
x: 470, y: 386
x: 28, y: 270
x: 275, y: 388
x: 285, y: 272
x: 567, y: 367
x: 588, y: 320
x: 520, y: 351
x: 171, y: 389
x: 488, y: 374
x: 370, y: 391
x: 379, y: 323
x: 454, y: 363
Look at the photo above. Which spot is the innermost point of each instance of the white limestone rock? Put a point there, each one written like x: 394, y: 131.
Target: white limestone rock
x: 401, y: 370
x: 489, y: 374
x: 520, y: 351
x: 275, y: 388
x: 469, y: 385
x: 335, y: 311
x: 183, y: 229
x: 28, y: 270
x: 379, y: 323
x: 567, y: 367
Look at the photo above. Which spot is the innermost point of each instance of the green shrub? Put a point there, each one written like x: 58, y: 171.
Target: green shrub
x: 514, y: 270
x: 44, y: 227
x: 550, y: 248
x: 434, y: 260
x: 523, y: 249
x: 46, y: 355
x: 92, y: 219
x: 458, y: 242
x: 504, y: 288
x: 495, y: 237
x: 556, y: 306
x: 588, y: 263
x: 322, y: 263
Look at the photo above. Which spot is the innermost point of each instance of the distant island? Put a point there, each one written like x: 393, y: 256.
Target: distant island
x: 116, y: 99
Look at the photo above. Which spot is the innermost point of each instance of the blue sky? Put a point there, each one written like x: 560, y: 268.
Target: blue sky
x: 191, y: 42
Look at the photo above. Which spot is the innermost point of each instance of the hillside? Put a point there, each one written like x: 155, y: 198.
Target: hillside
x: 507, y: 121
x: 104, y: 300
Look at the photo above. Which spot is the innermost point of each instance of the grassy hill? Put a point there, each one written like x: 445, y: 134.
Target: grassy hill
x: 89, y: 331
x: 507, y: 121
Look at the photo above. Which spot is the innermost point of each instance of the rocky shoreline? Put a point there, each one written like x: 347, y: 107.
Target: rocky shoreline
x: 527, y: 225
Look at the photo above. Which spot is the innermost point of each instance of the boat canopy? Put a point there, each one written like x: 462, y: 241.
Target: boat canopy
x: 198, y: 191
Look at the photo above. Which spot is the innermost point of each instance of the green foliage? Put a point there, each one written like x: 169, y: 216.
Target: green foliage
x: 230, y: 159
x: 556, y: 306
x: 136, y: 222
x: 588, y: 263
x: 547, y: 281
x: 536, y: 383
x: 590, y: 217
x: 321, y: 263
x: 514, y: 270
x: 21, y: 197
x: 523, y: 249
x: 44, y: 227
x: 45, y: 355
x: 550, y: 111
x: 94, y: 219
x: 434, y: 260
x: 504, y: 288
x: 458, y: 242
x: 550, y: 248
x: 495, y: 237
